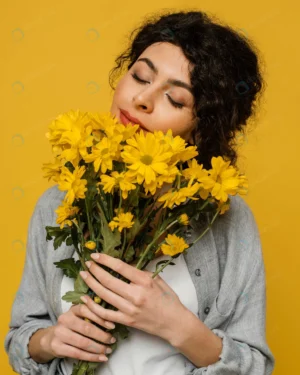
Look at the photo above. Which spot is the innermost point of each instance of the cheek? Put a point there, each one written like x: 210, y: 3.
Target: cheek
x: 179, y: 123
x: 124, y: 86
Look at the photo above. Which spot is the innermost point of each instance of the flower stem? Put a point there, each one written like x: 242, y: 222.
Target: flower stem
x: 161, y: 268
x: 89, y: 220
x: 208, y: 227
x: 124, y: 243
x: 152, y: 242
x: 197, y: 239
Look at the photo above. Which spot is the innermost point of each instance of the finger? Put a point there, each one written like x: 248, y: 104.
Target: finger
x: 69, y: 337
x: 106, y: 314
x: 111, y: 282
x: 106, y: 294
x: 86, y: 328
x: 87, y: 313
x: 75, y: 353
x: 129, y: 272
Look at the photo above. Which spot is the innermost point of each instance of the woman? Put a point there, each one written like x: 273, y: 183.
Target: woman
x: 206, y: 314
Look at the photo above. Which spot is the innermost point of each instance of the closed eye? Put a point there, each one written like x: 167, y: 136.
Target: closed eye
x: 175, y: 104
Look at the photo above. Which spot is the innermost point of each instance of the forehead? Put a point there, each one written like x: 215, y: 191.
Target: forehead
x: 169, y: 60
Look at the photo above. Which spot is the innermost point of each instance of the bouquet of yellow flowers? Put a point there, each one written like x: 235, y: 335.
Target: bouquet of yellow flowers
x: 130, y: 195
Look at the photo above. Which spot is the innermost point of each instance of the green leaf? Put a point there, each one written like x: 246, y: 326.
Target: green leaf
x: 73, y: 296
x: 110, y: 239
x: 80, y: 286
x: 74, y: 236
x: 115, y: 253
x: 59, y: 235
x: 129, y: 254
x: 122, y: 331
x: 69, y: 241
x: 69, y: 266
x: 52, y: 232
x: 134, y: 229
x: 163, y: 262
x: 134, y: 196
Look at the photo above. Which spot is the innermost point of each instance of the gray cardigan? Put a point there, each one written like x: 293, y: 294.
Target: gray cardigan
x: 226, y: 267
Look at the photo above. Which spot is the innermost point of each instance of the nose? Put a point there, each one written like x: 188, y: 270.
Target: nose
x: 143, y: 101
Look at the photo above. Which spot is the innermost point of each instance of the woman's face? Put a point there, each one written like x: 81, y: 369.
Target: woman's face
x: 153, y: 102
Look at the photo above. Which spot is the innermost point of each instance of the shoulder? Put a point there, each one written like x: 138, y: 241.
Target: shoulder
x: 238, y: 245
x: 239, y: 219
x: 237, y: 236
x: 48, y: 202
x: 239, y: 213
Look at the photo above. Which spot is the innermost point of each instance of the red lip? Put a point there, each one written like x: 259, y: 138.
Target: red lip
x: 131, y: 119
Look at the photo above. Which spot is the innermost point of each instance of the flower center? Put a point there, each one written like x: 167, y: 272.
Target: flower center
x: 105, y: 151
x: 147, y: 159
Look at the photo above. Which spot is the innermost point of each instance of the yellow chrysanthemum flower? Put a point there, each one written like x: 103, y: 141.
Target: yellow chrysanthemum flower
x: 221, y: 180
x: 243, y: 185
x: 179, y: 196
x: 177, y: 145
x: 127, y: 131
x: 103, y: 154
x: 167, y: 178
x: 189, y: 153
x: 91, y: 245
x: 174, y: 245
x: 104, y: 121
x: 64, y: 212
x: 194, y: 170
x: 121, y: 221
x: 52, y: 170
x: 224, y: 207
x: 145, y: 157
x: 70, y: 135
x: 107, y: 124
x: 72, y: 183
x: 183, y: 219
x: 116, y: 179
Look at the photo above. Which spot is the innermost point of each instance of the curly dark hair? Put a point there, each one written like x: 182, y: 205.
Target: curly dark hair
x: 225, y: 75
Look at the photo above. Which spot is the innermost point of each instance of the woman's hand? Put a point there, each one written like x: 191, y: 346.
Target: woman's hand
x: 147, y: 304
x: 68, y: 337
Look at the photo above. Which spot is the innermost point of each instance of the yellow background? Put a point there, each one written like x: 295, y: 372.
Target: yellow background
x: 56, y: 55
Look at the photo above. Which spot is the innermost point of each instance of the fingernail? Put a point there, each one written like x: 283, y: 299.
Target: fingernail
x: 88, y: 263
x: 95, y: 256
x: 110, y: 325
x: 103, y: 357
x: 108, y: 350
x: 83, y: 274
x: 84, y: 299
x: 113, y: 340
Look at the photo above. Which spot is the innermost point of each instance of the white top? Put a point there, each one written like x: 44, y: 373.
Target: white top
x: 141, y: 352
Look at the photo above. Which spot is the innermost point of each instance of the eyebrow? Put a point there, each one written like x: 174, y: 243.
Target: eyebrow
x: 175, y: 82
